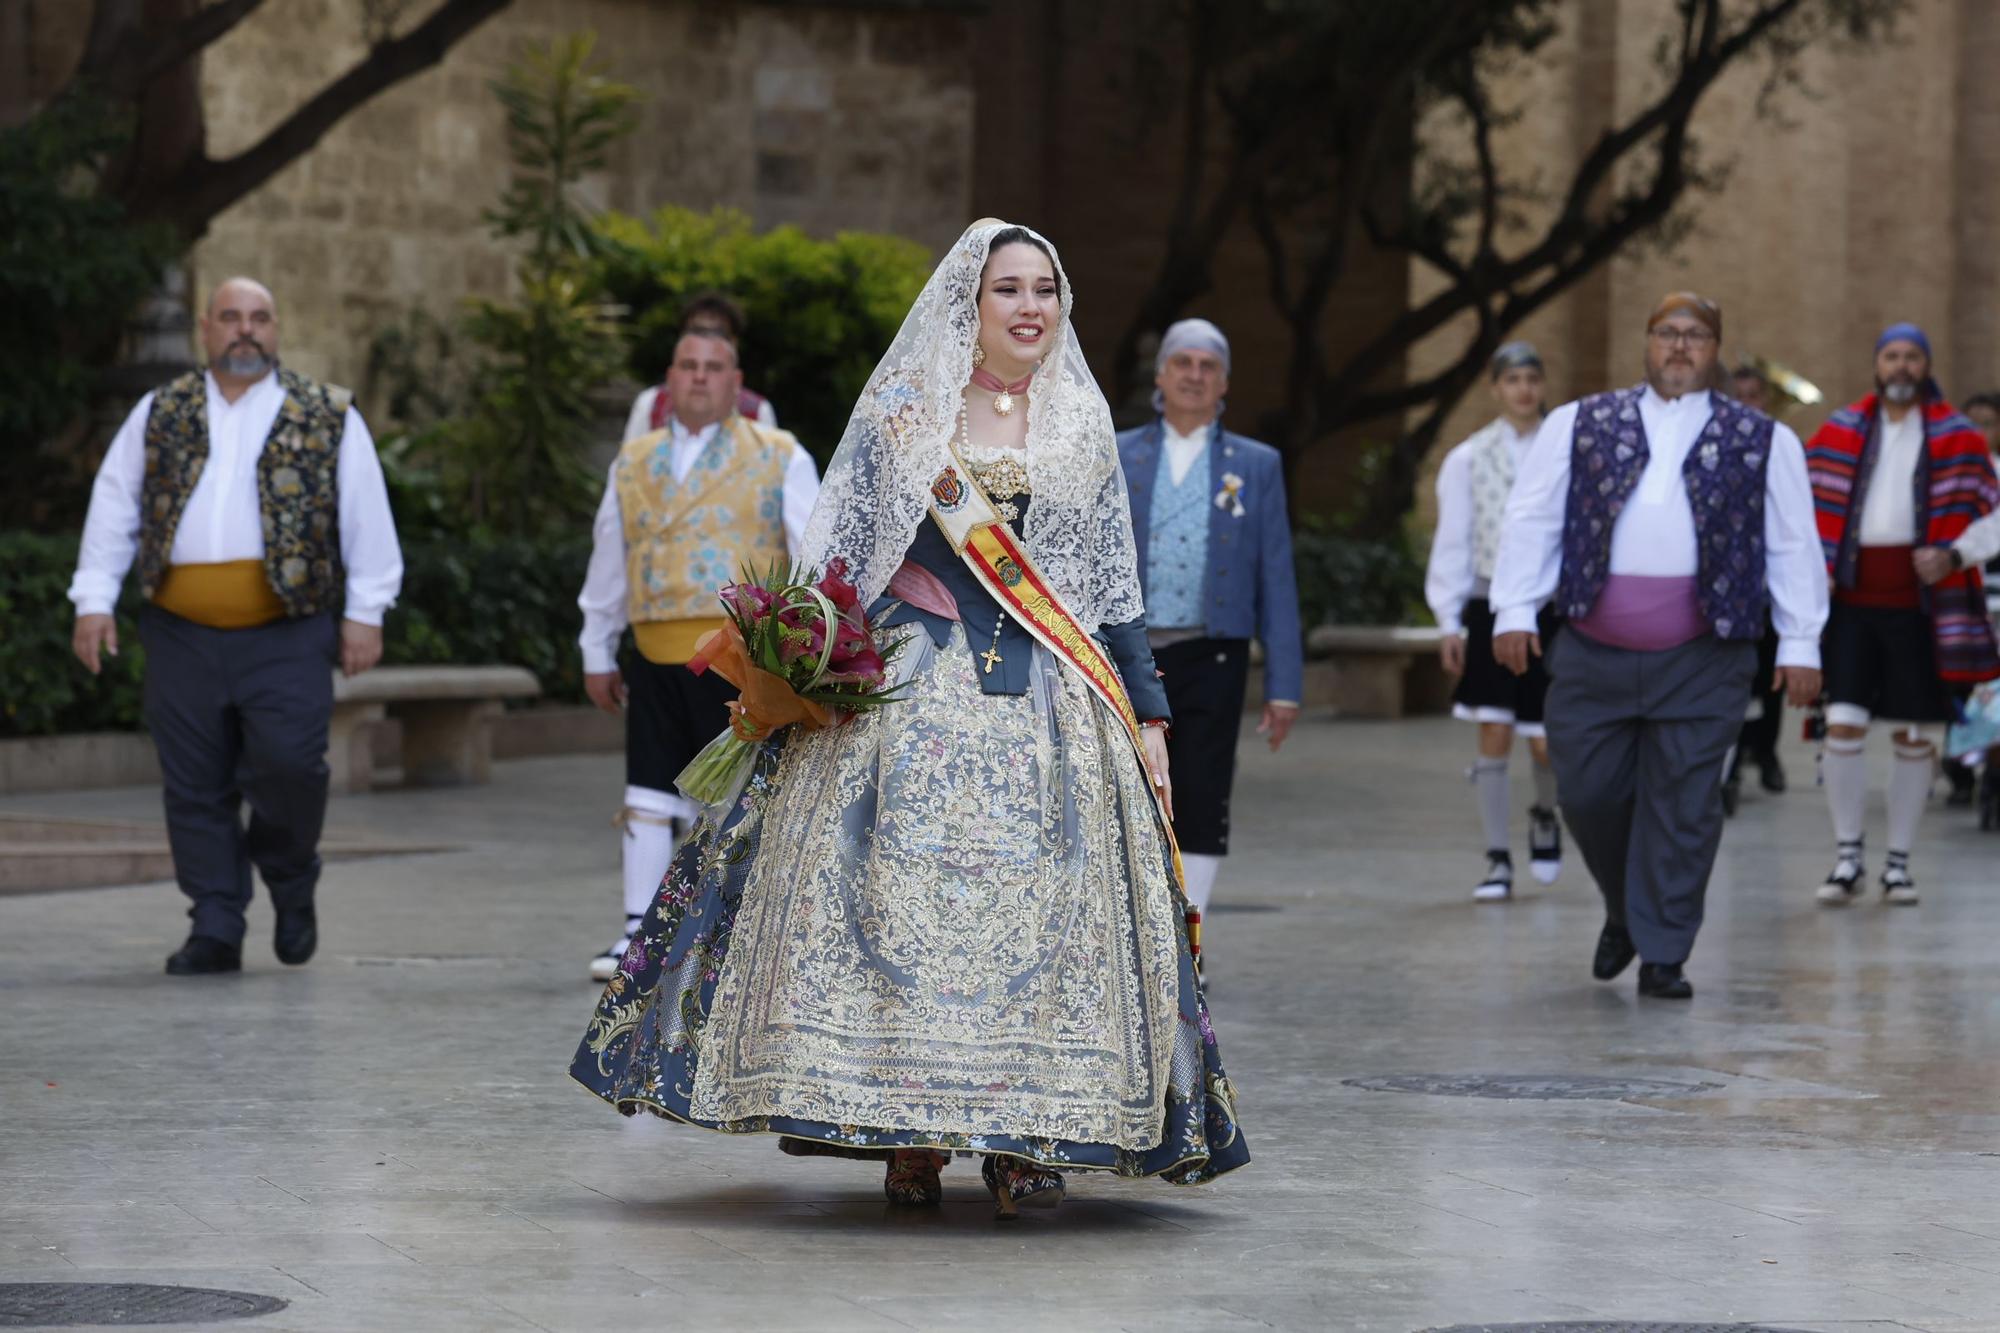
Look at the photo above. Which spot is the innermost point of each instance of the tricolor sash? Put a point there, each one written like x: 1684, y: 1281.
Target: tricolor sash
x: 996, y: 557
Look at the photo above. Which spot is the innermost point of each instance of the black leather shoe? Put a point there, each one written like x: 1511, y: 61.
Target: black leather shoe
x: 1615, y: 952
x: 296, y: 937
x: 1771, y: 773
x: 1663, y: 981
x: 203, y: 954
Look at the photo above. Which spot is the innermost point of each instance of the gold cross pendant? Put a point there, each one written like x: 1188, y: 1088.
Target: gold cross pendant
x: 990, y: 657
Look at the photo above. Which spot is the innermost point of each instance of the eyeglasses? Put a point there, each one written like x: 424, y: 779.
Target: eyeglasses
x: 1666, y: 337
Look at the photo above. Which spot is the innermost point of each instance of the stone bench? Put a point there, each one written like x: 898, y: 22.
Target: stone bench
x: 1365, y: 671
x: 446, y: 714
x: 1379, y: 670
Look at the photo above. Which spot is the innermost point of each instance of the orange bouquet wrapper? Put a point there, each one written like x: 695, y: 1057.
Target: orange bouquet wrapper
x: 766, y: 702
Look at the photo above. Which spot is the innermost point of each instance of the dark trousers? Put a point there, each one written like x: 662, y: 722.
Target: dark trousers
x: 1638, y: 741
x: 670, y: 715
x: 1759, y: 737
x: 241, y: 715
x: 1205, y: 680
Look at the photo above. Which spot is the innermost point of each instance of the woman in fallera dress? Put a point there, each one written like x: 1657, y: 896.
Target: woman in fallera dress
x: 952, y: 924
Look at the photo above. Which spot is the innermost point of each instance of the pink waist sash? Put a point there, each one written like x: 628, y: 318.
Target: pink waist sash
x: 1644, y: 613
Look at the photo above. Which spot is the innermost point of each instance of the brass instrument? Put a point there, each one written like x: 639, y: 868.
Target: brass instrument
x: 1784, y: 380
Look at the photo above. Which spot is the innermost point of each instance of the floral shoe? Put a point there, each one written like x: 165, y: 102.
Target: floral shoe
x: 1014, y: 1181
x: 913, y: 1177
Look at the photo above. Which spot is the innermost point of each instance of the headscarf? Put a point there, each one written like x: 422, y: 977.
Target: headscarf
x: 1688, y: 303
x: 1512, y: 356
x: 1906, y: 332
x: 901, y: 435
x: 1184, y: 335
x: 1196, y: 334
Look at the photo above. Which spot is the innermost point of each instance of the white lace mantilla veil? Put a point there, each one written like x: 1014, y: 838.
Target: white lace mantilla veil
x: 1078, y: 528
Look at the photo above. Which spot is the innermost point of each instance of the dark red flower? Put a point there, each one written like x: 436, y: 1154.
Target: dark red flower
x: 836, y: 587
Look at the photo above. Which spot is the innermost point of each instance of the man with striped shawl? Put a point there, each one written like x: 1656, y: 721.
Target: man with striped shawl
x: 1900, y: 471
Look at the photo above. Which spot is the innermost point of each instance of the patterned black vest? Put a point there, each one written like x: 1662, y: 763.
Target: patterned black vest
x: 1724, y: 475
x: 298, y: 486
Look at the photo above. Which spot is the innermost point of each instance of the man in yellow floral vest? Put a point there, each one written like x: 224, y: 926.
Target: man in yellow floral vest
x: 254, y: 503
x: 686, y: 509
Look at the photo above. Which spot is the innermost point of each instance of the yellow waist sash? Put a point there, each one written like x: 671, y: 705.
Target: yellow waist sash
x: 671, y: 642
x: 235, y: 594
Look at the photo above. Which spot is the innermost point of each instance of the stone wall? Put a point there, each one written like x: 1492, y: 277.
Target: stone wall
x: 1080, y: 109
x: 828, y: 116
x: 1874, y: 200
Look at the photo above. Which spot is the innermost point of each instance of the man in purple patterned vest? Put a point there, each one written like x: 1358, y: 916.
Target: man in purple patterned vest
x: 1666, y: 519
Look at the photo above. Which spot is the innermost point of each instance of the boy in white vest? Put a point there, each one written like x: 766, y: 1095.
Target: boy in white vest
x: 1472, y: 489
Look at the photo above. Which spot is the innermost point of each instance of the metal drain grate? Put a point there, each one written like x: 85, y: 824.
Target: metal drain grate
x: 123, y: 1304
x: 1536, y: 1088
x: 1608, y: 1326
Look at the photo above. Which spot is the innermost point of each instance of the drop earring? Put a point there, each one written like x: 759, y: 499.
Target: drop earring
x: 978, y: 355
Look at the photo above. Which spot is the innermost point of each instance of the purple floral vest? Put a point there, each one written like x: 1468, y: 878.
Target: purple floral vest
x: 1724, y: 475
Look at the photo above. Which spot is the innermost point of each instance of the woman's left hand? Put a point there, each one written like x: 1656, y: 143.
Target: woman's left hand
x: 1154, y: 739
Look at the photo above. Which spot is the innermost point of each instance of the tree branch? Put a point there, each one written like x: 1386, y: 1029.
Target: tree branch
x: 1571, y: 241
x: 208, y: 186
x: 121, y: 59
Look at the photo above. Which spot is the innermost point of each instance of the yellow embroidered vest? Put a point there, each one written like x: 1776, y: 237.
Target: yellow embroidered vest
x: 685, y: 539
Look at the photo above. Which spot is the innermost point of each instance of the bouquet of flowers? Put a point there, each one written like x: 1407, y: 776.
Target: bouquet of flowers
x: 801, y: 650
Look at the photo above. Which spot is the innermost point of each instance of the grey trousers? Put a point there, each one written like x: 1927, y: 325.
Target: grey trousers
x: 1638, y: 741
x: 241, y: 715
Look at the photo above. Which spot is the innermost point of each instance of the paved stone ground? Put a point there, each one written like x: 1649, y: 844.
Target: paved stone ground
x: 386, y: 1138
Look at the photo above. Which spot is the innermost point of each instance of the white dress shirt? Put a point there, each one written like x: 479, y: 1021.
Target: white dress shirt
x: 1889, y: 514
x: 604, y: 597
x: 1654, y: 535
x: 1183, y: 450
x: 639, y: 421
x: 1452, y: 577
x: 223, y: 519
x: 1980, y: 542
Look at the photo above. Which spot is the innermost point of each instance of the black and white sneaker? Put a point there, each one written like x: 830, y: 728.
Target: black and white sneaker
x: 1843, y: 882
x: 605, y: 964
x: 1898, y: 889
x: 1498, y: 886
x: 1545, y: 845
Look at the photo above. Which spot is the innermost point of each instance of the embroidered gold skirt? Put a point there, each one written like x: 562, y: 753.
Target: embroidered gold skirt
x: 948, y: 923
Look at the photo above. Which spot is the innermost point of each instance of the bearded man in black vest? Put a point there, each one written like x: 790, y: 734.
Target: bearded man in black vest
x: 253, y: 502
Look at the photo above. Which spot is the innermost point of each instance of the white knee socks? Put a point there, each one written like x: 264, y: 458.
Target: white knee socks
x: 1200, y: 871
x: 648, y: 842
x: 1844, y: 769
x: 1489, y: 781
x: 1909, y: 787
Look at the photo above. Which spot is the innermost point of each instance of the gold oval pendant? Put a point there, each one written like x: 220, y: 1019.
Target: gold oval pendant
x: 1003, y: 403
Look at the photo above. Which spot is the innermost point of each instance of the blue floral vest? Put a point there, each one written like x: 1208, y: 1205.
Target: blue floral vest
x: 1724, y: 475
x: 1177, y: 546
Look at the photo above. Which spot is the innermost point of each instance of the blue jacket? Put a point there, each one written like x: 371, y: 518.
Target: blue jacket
x: 977, y: 610
x: 1252, y: 591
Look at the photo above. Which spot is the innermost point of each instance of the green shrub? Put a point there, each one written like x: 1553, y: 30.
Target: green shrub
x: 496, y: 599
x: 820, y: 312
x: 1350, y: 580
x: 43, y: 688
x: 72, y: 266
x: 502, y: 600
